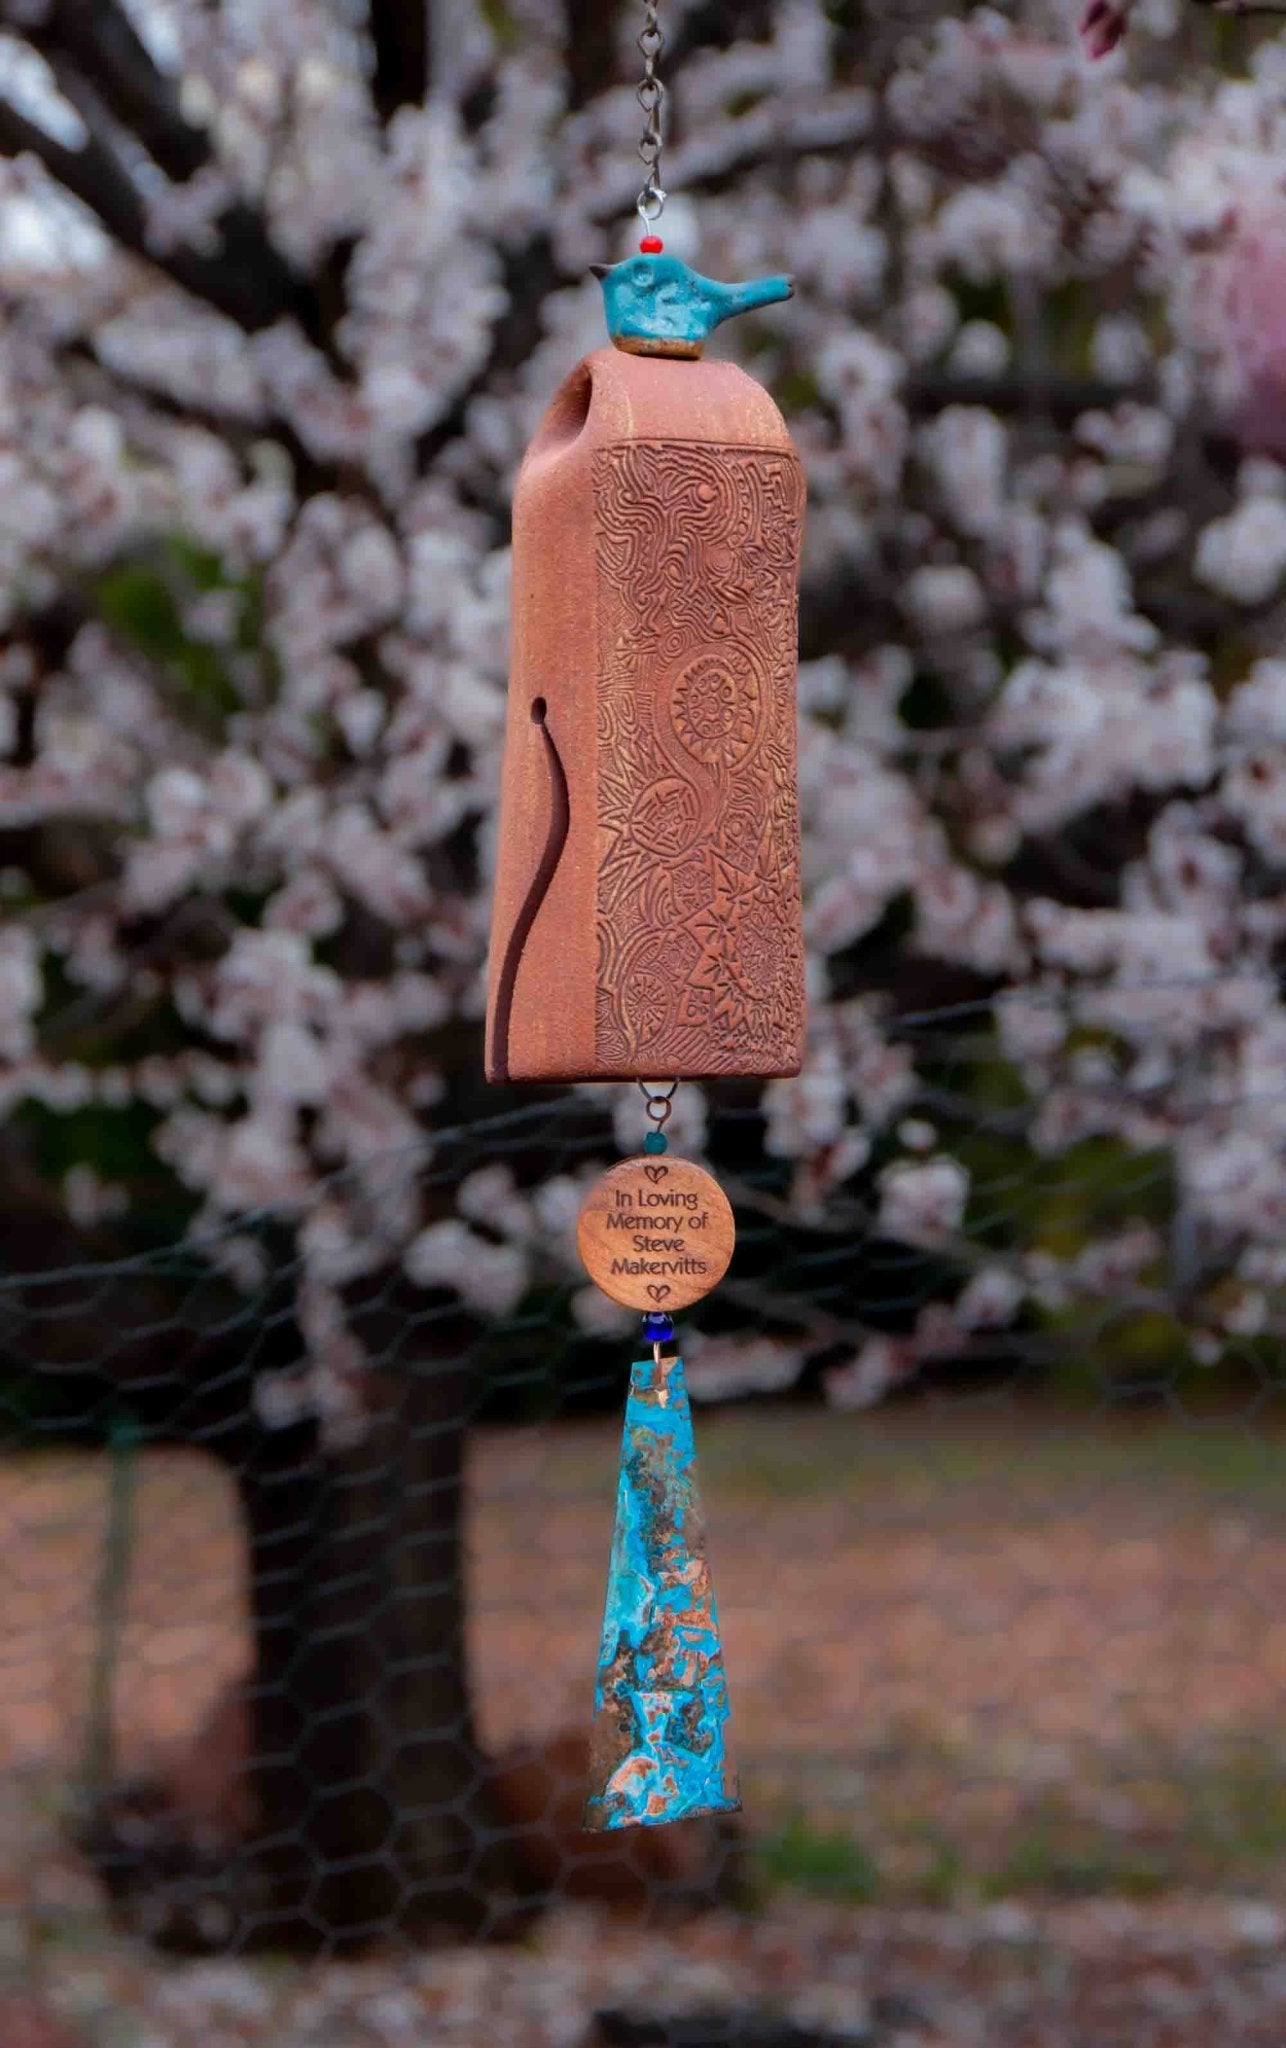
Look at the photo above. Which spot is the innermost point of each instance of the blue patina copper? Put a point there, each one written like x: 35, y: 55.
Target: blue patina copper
x: 659, y: 1748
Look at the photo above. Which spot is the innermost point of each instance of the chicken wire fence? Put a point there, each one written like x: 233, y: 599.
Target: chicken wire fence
x: 303, y: 1576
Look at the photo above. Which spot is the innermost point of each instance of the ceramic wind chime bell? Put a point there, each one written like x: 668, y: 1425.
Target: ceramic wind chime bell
x: 647, y: 913
x: 646, y: 918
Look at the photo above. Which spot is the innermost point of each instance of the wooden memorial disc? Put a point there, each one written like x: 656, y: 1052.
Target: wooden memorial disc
x: 656, y: 1233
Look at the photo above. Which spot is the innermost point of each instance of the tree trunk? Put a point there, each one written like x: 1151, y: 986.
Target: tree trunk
x: 338, y: 1797
x: 366, y: 1770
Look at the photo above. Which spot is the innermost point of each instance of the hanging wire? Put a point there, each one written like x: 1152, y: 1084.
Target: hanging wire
x: 660, y: 1102
x: 651, y: 97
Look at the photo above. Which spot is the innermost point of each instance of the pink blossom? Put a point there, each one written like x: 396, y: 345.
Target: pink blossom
x: 1102, y: 26
x: 880, y: 1364
x: 1247, y: 323
x: 723, y: 1368
x: 923, y: 1203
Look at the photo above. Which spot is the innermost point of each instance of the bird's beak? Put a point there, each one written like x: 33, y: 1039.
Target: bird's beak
x: 730, y: 299
x: 601, y: 269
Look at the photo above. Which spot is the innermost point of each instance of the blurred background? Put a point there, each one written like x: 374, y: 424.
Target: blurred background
x: 309, y: 1421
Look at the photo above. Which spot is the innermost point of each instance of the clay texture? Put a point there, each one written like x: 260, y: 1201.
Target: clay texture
x: 647, y: 911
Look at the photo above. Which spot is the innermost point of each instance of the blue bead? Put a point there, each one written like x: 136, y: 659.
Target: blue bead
x: 654, y: 1142
x: 658, y: 1329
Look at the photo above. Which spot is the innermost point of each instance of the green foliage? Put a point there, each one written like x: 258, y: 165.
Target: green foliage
x: 1059, y: 1852
x: 1217, y: 1822
x: 825, y: 1863
x: 1071, y: 315
x: 115, y: 1142
x: 977, y: 300
x: 1239, y: 1810
x: 1059, y: 1203
x: 502, y: 25
x: 797, y: 391
x: 142, y: 601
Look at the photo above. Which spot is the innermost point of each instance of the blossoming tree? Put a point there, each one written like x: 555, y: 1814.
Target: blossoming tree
x: 286, y: 286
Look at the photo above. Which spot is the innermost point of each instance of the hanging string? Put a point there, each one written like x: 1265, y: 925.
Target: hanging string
x: 660, y: 1102
x: 657, y: 1328
x: 651, y: 97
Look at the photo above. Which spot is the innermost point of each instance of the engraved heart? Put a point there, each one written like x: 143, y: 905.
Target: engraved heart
x: 655, y: 1173
x: 657, y: 1293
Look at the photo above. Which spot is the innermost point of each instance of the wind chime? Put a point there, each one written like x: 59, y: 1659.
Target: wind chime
x: 646, y: 921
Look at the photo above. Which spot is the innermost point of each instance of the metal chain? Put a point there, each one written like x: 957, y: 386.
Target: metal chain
x: 651, y: 97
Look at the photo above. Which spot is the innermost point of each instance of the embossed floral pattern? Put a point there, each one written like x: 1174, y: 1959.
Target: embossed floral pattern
x: 716, y: 708
x: 700, y: 958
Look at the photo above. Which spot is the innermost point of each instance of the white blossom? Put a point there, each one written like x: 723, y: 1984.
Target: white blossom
x: 923, y: 1202
x: 1035, y: 757
x: 491, y: 1278
x: 725, y: 1368
x: 947, y: 599
x: 867, y: 1377
x: 21, y: 991
x: 1244, y: 555
x: 968, y: 451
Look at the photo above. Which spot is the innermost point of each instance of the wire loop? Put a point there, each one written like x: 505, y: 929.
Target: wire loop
x: 660, y: 1102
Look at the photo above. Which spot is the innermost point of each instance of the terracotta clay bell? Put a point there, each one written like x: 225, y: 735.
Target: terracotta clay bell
x: 646, y: 918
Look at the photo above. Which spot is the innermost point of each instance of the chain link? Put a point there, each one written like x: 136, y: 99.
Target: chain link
x: 651, y: 97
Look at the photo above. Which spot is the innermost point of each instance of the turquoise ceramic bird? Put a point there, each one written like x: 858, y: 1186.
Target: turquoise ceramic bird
x: 657, y: 306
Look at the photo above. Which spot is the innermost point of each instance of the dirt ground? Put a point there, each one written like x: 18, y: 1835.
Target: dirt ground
x: 1013, y: 1687
x: 954, y: 1644
x: 1099, y: 1974
x: 946, y: 1639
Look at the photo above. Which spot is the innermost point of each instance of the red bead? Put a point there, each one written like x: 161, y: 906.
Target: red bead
x: 651, y: 245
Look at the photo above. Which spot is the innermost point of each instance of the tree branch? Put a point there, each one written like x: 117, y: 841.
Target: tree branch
x: 248, y: 281
x: 717, y: 25
x: 115, y: 381
x: 92, y: 174
x: 103, y: 43
x: 400, y: 36
x: 530, y: 274
x: 104, y: 68
x: 1059, y: 398
x: 591, y: 49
